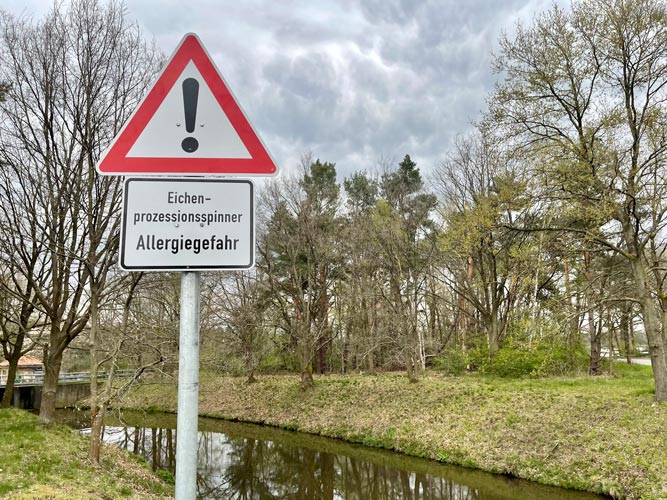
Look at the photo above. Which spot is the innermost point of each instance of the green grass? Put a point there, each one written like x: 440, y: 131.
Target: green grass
x: 39, y: 462
x: 604, y: 434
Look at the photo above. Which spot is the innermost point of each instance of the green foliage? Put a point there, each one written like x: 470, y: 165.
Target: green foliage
x: 5, y: 488
x: 166, y: 476
x: 478, y: 359
x: 452, y: 362
x: 632, y: 372
x: 546, y: 358
x: 516, y: 362
x: 273, y: 362
x: 398, y: 185
x: 361, y: 190
x: 369, y: 439
x: 126, y: 491
x: 320, y: 185
x: 542, y: 360
x: 456, y: 457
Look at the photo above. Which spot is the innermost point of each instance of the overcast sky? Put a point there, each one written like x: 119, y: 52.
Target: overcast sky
x: 353, y: 82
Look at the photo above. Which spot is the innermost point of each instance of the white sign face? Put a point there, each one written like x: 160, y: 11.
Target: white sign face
x: 173, y: 224
x: 216, y: 137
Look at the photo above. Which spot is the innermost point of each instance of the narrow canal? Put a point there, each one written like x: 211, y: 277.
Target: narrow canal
x: 245, y: 461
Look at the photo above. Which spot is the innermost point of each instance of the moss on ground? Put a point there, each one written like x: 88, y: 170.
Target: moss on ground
x: 604, y: 435
x: 40, y: 462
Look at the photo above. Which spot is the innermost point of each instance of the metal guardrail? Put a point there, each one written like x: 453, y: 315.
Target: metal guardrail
x: 28, y: 379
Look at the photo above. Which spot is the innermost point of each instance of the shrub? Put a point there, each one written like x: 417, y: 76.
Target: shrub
x: 479, y: 359
x: 166, y: 476
x: 561, y: 360
x: 452, y: 362
x: 514, y: 363
x: 549, y: 357
x: 544, y: 358
x: 273, y: 362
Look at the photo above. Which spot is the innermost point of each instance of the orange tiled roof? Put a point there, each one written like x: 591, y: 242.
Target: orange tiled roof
x: 25, y: 361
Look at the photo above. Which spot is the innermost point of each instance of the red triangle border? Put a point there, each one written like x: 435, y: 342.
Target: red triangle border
x: 116, y: 162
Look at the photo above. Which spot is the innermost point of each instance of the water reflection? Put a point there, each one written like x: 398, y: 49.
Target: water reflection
x: 246, y: 468
x: 242, y: 461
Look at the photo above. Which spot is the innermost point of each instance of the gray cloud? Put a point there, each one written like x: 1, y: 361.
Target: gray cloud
x: 353, y: 82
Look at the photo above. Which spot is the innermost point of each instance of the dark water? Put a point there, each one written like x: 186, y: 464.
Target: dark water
x: 244, y: 461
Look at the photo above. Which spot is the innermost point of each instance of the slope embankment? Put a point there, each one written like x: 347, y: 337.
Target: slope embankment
x: 604, y: 435
x: 50, y: 462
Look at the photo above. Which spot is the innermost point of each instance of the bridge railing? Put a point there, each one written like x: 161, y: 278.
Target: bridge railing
x: 24, y: 379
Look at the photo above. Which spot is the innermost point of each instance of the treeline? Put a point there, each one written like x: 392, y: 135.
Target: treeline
x: 542, y: 231
x: 381, y: 273
x: 536, y: 243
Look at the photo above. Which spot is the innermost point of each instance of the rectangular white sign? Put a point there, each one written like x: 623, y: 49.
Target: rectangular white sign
x: 174, y: 224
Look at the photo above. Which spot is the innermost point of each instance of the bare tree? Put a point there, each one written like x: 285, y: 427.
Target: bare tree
x: 75, y: 76
x: 23, y: 256
x: 480, y: 194
x: 125, y: 344
x: 238, y: 308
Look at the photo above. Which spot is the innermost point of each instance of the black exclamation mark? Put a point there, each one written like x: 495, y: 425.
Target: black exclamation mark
x: 190, y: 96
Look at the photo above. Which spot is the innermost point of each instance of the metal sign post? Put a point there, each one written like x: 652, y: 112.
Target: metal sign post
x: 188, y: 225
x: 188, y: 388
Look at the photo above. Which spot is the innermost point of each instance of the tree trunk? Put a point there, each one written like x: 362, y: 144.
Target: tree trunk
x: 631, y: 333
x: 411, y: 365
x: 96, y: 425
x: 52, y: 364
x: 625, y: 332
x: 372, y: 336
x: 370, y: 362
x: 663, y: 317
x: 250, y: 361
x: 613, y: 337
x: 432, y: 311
x: 344, y: 354
x: 324, y: 338
x: 251, y: 376
x: 11, y: 377
x: 572, y: 318
x: 307, y: 377
x: 492, y: 333
x: 463, y: 308
x: 652, y: 329
x: 98, y: 407
x: 305, y: 351
x: 594, y: 365
x: 594, y: 335
x: 411, y: 370
x: 322, y: 352
x: 656, y: 347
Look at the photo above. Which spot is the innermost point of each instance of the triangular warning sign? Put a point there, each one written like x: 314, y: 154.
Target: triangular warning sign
x: 188, y: 123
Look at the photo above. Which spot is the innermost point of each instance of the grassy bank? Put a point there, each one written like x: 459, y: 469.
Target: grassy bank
x: 36, y: 462
x: 604, y: 435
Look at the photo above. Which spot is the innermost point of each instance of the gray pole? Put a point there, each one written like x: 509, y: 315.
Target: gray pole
x: 188, y: 388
